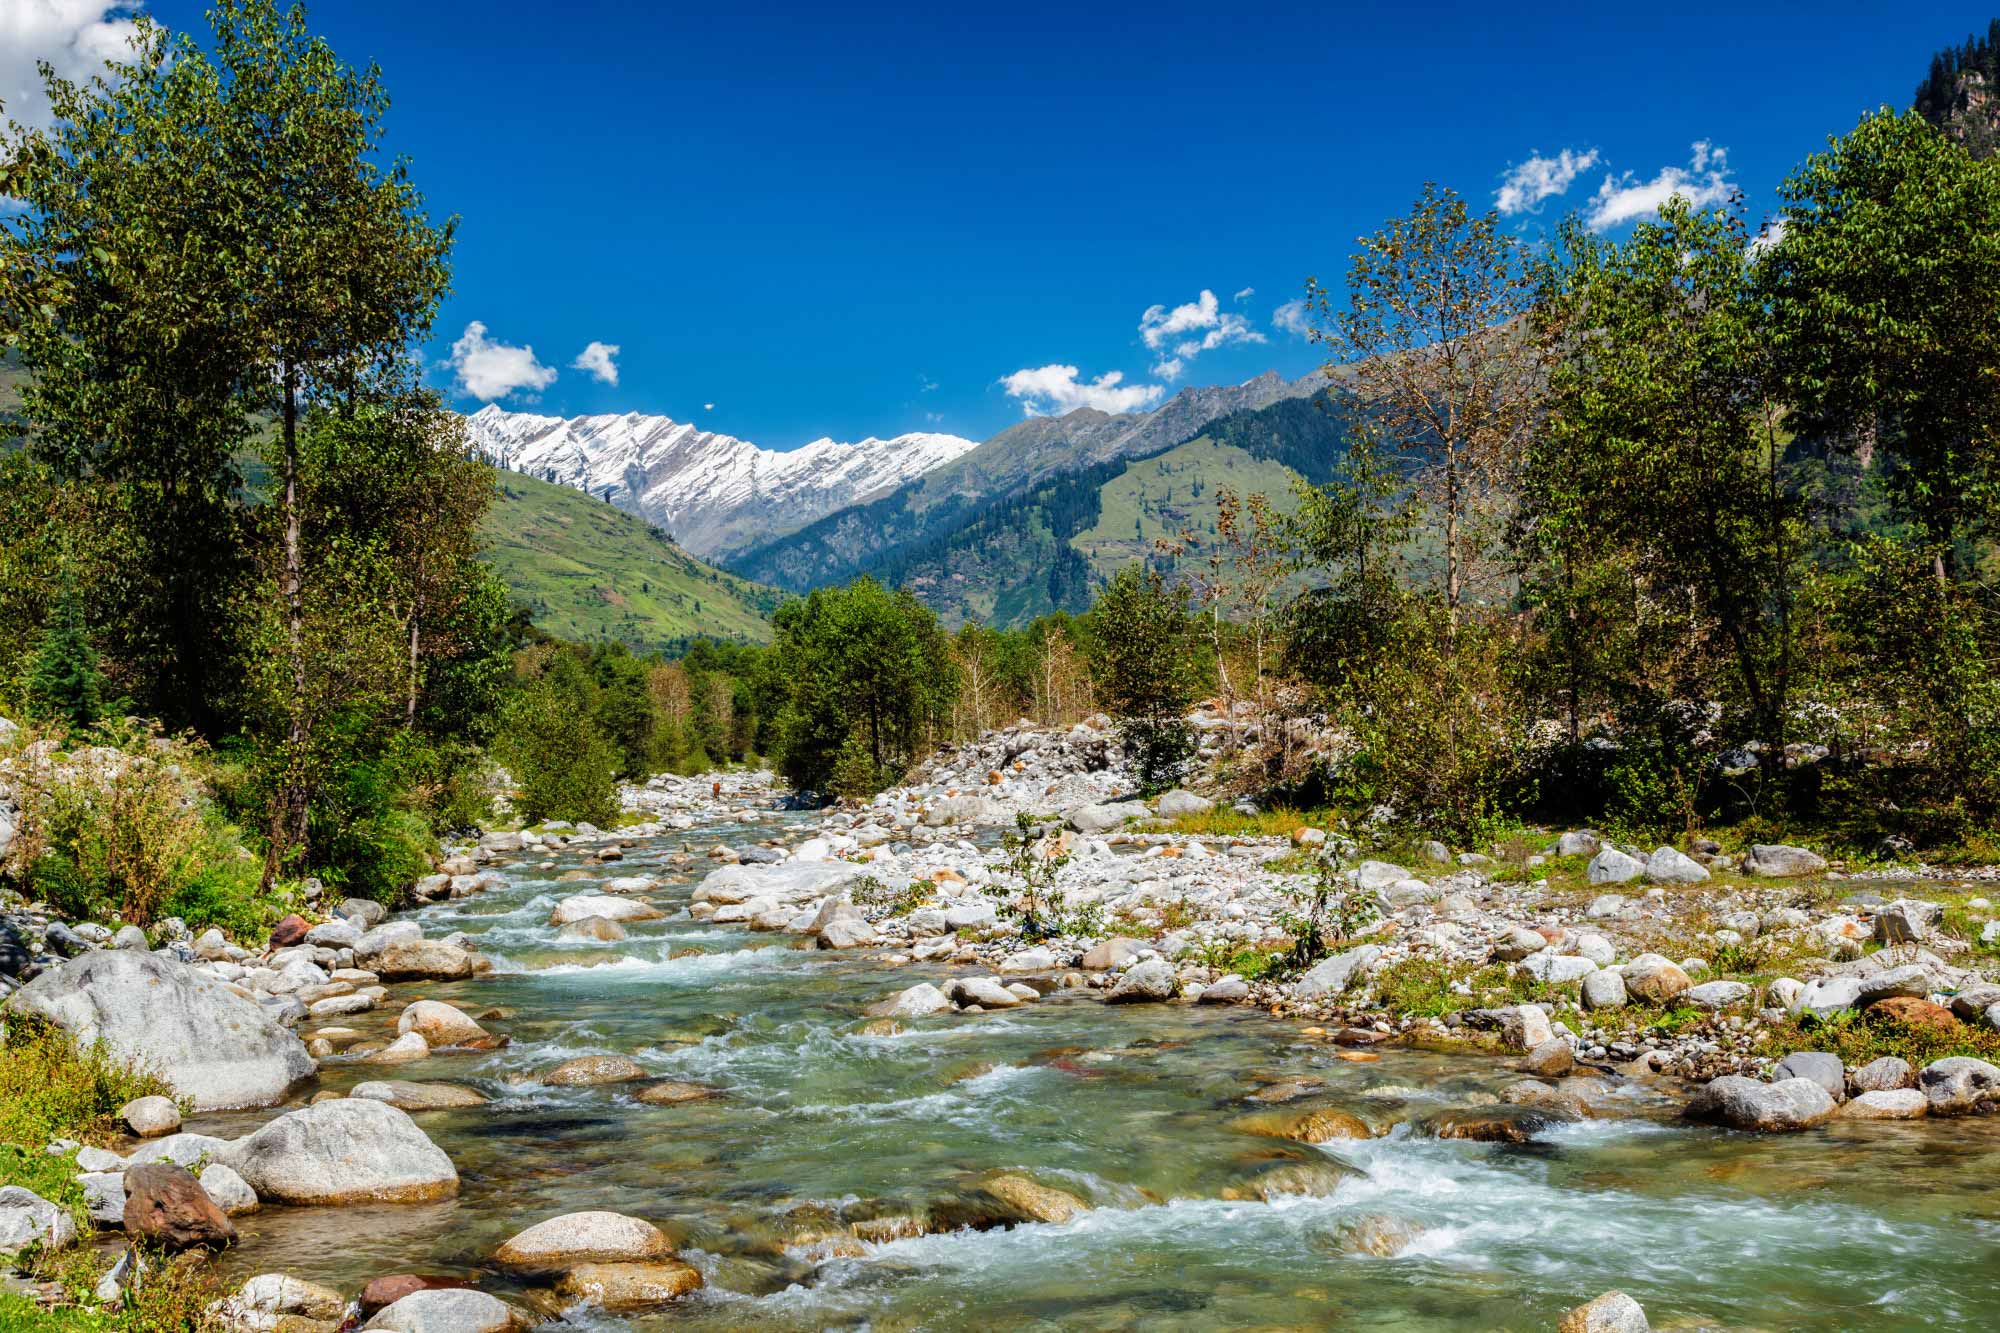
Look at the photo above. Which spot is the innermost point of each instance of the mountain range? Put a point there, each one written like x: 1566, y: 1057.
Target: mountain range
x: 714, y: 493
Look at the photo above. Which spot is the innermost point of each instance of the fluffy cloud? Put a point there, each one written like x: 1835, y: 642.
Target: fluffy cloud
x: 1053, y: 390
x: 1162, y: 329
x: 600, y: 360
x: 1704, y: 183
x: 1291, y: 318
x: 489, y: 370
x: 1767, y: 236
x: 75, y: 37
x: 1528, y: 184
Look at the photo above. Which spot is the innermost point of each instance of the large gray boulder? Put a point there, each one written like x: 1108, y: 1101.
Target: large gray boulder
x: 1332, y: 976
x: 347, y: 1151
x: 1668, y: 866
x: 1745, y: 1103
x: 217, y: 1049
x: 1612, y: 866
x: 1821, y: 1067
x: 581, y: 1238
x: 1779, y: 861
x: 970, y: 808
x: 1104, y: 818
x: 1961, y: 1085
x: 1179, y: 802
x: 1152, y: 980
x: 448, y: 1311
x: 26, y: 1218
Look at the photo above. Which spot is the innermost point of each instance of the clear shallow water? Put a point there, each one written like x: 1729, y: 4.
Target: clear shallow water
x: 1129, y: 1108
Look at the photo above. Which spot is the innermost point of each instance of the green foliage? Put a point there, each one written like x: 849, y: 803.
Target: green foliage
x: 1326, y: 912
x: 1034, y: 858
x: 855, y: 662
x: 871, y: 892
x: 49, y: 1089
x: 1147, y: 666
x: 65, y: 683
x: 563, y: 765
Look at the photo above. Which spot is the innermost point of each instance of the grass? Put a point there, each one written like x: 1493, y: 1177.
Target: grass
x: 1226, y: 822
x: 1858, y: 1038
x: 589, y: 571
x: 1422, y: 988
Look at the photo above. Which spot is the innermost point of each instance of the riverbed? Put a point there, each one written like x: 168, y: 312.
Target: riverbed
x: 1138, y: 1110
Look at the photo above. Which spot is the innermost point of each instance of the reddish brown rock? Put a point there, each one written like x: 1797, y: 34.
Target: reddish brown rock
x: 385, y: 1291
x: 289, y: 931
x: 1913, y: 1015
x: 166, y: 1205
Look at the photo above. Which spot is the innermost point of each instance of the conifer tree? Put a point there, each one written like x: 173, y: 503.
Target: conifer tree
x: 65, y: 683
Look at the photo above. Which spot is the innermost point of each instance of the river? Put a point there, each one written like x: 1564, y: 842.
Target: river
x: 1136, y: 1110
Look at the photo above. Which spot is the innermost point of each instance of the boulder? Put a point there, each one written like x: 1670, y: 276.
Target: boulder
x: 1557, y: 969
x: 1911, y: 981
x: 1104, y: 818
x: 290, y: 930
x: 846, y: 932
x: 1178, y: 803
x: 104, y: 1196
x: 216, y: 1049
x: 1714, y: 995
x: 1523, y: 1027
x: 593, y: 928
x: 1745, y: 1103
x: 674, y: 1093
x: 916, y: 1002
x: 986, y: 992
x: 1552, y: 1058
x: 231, y: 1192
x: 1613, y: 1312
x: 432, y: 960
x: 1654, y: 980
x: 1611, y: 866
x: 967, y: 809
x: 150, y: 1117
x: 166, y: 1206
x: 439, y: 1024
x: 1333, y: 976
x: 405, y: 1095
x: 1888, y: 1074
x: 1150, y: 981
x: 272, y: 1302
x: 1910, y: 1014
x: 627, y: 1288
x: 352, y: 1150
x: 1668, y: 866
x: 363, y: 912
x: 1113, y: 953
x: 1778, y: 861
x: 447, y: 1311
x: 1579, y: 842
x: 591, y: 1070
x: 26, y: 1218
x: 580, y: 1238
x: 581, y: 905
x: 1887, y: 1104
x: 1960, y: 1085
x: 404, y: 1049
x: 380, y: 938
x: 386, y: 1291
x: 1604, y: 990
x: 1224, y: 990
x: 1818, y: 1066
x: 1907, y: 921
x: 1824, y: 997
x: 1035, y: 1201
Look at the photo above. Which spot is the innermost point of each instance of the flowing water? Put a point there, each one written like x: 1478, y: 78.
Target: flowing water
x: 1128, y: 1107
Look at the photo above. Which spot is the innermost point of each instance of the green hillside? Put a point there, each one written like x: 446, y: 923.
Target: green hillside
x: 1172, y: 496
x: 589, y: 571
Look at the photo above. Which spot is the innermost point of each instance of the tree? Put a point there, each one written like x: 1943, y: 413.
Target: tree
x: 862, y: 662
x: 65, y: 683
x: 1429, y: 346
x: 1884, y: 294
x: 1147, y: 668
x: 336, y: 270
x: 563, y: 765
x: 121, y: 300
x: 1662, y: 451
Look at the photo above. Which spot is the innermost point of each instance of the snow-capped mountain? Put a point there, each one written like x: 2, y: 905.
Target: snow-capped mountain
x: 714, y: 493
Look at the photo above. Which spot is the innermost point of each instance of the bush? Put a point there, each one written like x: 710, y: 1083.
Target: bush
x: 120, y: 829
x: 51, y: 1089
x: 562, y: 764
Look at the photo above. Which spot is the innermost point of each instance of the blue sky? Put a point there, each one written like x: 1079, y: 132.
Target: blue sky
x: 827, y: 220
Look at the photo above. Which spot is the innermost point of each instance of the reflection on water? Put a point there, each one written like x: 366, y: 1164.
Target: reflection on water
x: 1129, y: 1108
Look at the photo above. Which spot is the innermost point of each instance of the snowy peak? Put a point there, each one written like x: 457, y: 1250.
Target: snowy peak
x: 714, y: 493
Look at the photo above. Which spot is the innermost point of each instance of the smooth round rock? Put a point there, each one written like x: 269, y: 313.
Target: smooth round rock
x: 585, y: 1237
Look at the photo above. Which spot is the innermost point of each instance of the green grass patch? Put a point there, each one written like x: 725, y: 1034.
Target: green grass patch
x: 1859, y: 1038
x: 1225, y: 822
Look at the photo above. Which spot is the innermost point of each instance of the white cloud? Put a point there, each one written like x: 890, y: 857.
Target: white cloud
x: 1704, y: 183
x: 1291, y: 317
x: 1528, y: 184
x: 1054, y: 390
x: 708, y: 407
x: 490, y: 370
x: 1768, y: 236
x: 1246, y: 293
x: 1203, y: 315
x: 600, y: 360
x: 75, y: 37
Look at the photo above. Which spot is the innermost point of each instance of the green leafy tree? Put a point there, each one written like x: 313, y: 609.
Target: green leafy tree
x: 65, y: 683
x: 1147, y: 668
x: 563, y: 765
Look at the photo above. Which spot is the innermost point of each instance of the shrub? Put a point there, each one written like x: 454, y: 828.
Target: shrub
x: 50, y: 1089
x: 563, y: 766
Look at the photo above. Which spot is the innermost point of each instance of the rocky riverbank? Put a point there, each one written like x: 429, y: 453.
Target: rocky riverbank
x: 1617, y: 983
